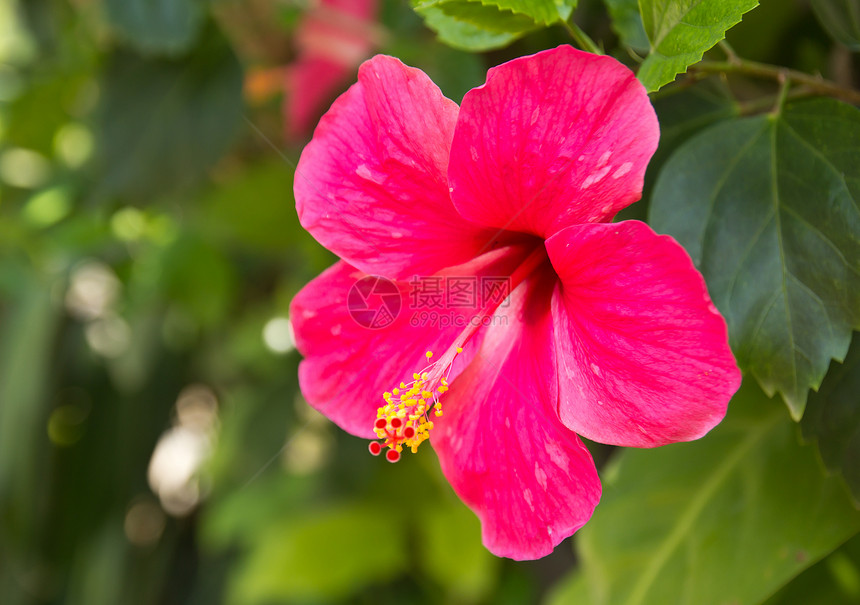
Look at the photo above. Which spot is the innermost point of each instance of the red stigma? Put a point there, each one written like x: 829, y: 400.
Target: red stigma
x: 409, y: 432
x: 380, y: 423
x: 395, y: 423
x: 374, y: 448
x: 392, y: 456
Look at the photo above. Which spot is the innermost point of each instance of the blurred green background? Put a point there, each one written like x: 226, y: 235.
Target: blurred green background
x: 154, y: 447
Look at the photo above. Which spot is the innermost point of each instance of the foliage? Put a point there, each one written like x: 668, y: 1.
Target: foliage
x: 753, y: 200
x: 149, y: 249
x: 749, y: 501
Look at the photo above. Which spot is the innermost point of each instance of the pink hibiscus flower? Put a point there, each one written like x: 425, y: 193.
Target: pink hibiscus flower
x: 608, y: 331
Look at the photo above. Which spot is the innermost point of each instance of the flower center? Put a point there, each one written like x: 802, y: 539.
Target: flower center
x: 404, y: 419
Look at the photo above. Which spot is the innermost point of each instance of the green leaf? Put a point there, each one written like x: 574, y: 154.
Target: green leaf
x: 544, y: 12
x: 573, y: 588
x: 684, y: 113
x: 841, y: 19
x: 460, y: 34
x: 28, y: 325
x: 486, y: 17
x: 627, y: 23
x: 681, y: 31
x: 833, y: 419
x: 452, y: 553
x: 726, y: 519
x: 322, y: 555
x: 768, y: 209
x: 485, y: 24
x: 165, y: 122
x: 156, y: 26
x: 834, y: 580
x: 503, y: 15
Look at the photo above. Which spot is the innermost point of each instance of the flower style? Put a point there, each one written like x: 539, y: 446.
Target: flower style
x: 608, y: 331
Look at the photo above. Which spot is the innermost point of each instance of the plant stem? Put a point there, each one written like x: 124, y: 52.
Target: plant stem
x: 763, y: 70
x: 581, y: 38
x: 784, y: 86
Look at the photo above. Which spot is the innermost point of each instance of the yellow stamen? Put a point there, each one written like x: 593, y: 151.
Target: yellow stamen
x: 403, y: 420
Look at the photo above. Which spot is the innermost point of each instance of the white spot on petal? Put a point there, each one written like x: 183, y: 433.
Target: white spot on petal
x: 596, y: 369
x: 527, y: 494
x: 534, y: 117
x: 396, y: 234
x: 604, y: 158
x: 540, y: 476
x: 557, y: 455
x: 593, y: 178
x: 366, y: 173
x: 622, y: 170
x: 474, y: 152
x: 363, y: 171
x: 336, y: 330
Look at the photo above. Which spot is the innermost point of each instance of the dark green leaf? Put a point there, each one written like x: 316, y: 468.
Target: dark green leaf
x: 833, y: 419
x: 681, y: 113
x: 768, y: 209
x: 684, y: 113
x: 165, y: 122
x: 746, y: 502
x: 680, y: 31
x: 156, y: 26
x: 832, y: 581
x: 627, y: 23
x: 841, y: 19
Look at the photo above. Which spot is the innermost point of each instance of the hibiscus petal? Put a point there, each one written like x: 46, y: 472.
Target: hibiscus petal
x: 371, y: 186
x: 348, y: 365
x: 643, y: 353
x: 551, y: 140
x: 529, y: 479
